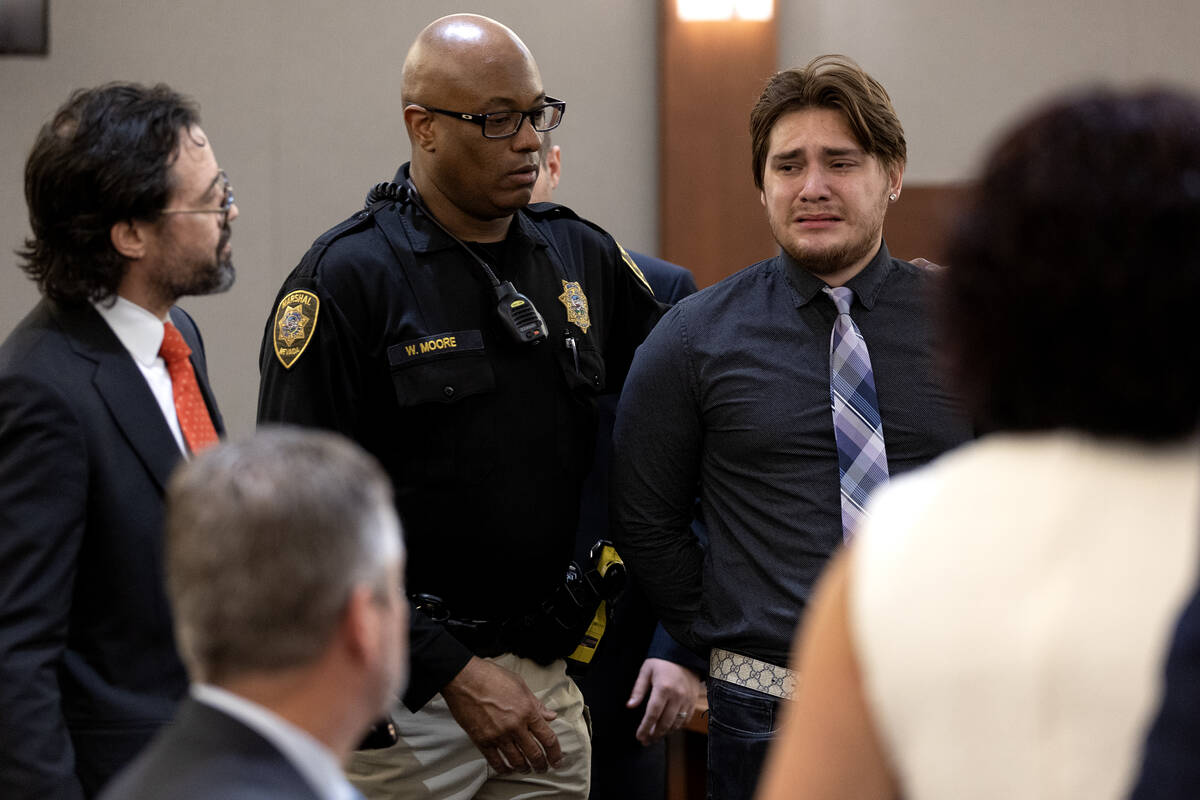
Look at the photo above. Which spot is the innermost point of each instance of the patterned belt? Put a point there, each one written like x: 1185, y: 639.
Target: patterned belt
x: 750, y: 673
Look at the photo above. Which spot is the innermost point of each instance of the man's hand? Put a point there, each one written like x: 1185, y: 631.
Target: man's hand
x: 673, y: 693
x: 503, y: 718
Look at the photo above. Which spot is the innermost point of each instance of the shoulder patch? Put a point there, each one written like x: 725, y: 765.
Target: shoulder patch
x: 295, y: 321
x: 636, y: 270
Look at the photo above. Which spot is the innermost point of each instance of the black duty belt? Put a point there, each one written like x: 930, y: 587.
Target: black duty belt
x: 558, y: 627
x: 483, y: 638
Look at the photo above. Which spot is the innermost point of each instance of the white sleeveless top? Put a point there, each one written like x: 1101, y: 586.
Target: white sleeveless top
x: 1011, y: 605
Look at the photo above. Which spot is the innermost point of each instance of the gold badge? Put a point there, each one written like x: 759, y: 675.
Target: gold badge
x: 295, y: 320
x: 576, y: 303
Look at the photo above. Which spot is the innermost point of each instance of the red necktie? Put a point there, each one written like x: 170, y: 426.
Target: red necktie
x: 194, y: 421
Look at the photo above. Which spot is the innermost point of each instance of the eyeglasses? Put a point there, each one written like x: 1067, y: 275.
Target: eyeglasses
x: 226, y: 202
x: 503, y: 124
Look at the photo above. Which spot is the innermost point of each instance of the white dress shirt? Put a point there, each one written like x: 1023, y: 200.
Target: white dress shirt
x: 142, y: 334
x: 311, y: 759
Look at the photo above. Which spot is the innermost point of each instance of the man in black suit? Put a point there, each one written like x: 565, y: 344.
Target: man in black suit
x: 641, y: 684
x: 284, y: 570
x: 129, y: 211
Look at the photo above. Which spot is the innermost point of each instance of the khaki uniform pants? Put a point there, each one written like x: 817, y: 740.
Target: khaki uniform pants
x: 435, y: 759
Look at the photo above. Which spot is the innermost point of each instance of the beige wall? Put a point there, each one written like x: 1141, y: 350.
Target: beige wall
x: 300, y: 99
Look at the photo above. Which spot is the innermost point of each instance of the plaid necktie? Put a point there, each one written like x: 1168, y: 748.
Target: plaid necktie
x: 862, y: 459
x: 194, y: 421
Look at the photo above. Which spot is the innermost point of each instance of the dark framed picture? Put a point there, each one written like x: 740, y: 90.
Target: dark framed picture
x: 24, y: 27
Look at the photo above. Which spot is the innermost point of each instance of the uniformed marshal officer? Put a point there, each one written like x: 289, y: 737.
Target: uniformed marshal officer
x: 463, y: 338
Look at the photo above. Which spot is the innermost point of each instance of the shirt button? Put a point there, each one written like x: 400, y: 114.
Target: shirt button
x: 448, y: 391
x: 596, y: 381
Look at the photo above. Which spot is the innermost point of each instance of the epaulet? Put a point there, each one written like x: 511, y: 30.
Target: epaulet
x: 359, y: 221
x: 550, y: 211
x: 379, y: 197
x: 355, y: 222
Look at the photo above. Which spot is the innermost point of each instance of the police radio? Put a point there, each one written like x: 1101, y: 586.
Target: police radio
x: 517, y: 313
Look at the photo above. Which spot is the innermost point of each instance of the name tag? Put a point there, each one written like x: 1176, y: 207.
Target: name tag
x: 437, y: 345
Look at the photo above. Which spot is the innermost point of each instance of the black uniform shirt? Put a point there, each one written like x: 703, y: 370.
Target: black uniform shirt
x: 487, y: 440
x: 728, y: 400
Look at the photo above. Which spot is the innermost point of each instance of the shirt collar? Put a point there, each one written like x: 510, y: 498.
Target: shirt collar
x: 137, y: 329
x: 315, y: 763
x: 866, y: 284
x: 426, y: 237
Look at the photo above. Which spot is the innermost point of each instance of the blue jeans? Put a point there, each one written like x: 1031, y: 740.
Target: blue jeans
x: 741, y: 725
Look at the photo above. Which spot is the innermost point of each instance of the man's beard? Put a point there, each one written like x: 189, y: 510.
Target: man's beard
x: 838, y: 256
x: 184, y: 278
x: 827, y: 262
x: 225, y: 274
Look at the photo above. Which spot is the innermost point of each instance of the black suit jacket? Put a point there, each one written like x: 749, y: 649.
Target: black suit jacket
x: 88, y: 667
x: 207, y: 754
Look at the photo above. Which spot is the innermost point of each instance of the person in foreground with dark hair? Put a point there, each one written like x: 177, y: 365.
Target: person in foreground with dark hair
x: 729, y: 399
x: 285, y: 574
x: 999, y: 625
x: 103, y: 390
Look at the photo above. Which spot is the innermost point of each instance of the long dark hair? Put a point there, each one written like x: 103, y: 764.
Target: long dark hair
x: 104, y: 158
